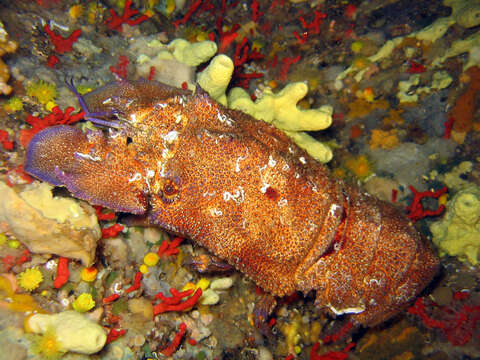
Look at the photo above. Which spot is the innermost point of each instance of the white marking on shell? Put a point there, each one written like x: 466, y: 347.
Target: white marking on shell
x: 240, y: 158
x: 260, y: 169
x: 135, y: 177
x: 271, y: 161
x: 161, y: 165
x: 171, y: 136
x: 282, y: 202
x: 238, y: 195
x: 333, y: 209
x: 302, y: 160
x: 264, y: 188
x: 88, y: 156
x: 224, y: 119
x: 209, y: 194
x: 244, y: 223
x: 313, y: 186
x: 150, y: 175
x: 349, y: 310
x: 216, y: 212
x: 113, y: 133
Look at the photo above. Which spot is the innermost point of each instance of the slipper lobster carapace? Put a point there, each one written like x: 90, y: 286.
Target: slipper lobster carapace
x: 242, y: 189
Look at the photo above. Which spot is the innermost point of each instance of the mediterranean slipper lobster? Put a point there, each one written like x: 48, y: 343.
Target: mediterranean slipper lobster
x: 243, y: 190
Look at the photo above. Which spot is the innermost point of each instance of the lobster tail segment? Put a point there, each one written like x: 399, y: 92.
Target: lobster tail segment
x: 376, y: 265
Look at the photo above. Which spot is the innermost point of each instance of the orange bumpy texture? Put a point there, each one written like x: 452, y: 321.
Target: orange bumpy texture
x: 243, y: 190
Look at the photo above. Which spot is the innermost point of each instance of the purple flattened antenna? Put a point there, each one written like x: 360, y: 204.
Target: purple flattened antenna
x: 94, y: 117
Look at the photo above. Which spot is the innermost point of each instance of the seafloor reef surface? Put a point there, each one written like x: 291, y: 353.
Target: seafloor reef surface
x: 396, y: 85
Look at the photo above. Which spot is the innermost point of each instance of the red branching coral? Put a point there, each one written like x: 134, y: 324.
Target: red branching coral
x: 286, y: 63
x: 458, y: 321
x: 110, y: 299
x: 136, y: 283
x: 314, y: 26
x: 114, y: 334
x: 62, y: 273
x: 175, y: 303
x: 111, y: 231
x: 170, y: 248
x: 56, y: 117
x: 255, y: 12
x: 189, y: 13
x: 415, y: 209
x: 416, y: 68
x: 115, y: 22
x: 121, y: 68
x: 102, y: 215
x: 170, y: 349
x: 331, y: 355
x: 7, y: 144
x: 62, y: 45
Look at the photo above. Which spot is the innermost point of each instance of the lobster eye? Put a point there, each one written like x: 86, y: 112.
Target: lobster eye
x: 170, y: 188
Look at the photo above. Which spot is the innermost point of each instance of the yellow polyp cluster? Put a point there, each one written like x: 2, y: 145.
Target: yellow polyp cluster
x: 14, y: 243
x: 368, y: 94
x: 13, y: 105
x: 203, y: 283
x: 76, y: 11
x: 30, y: 279
x: 151, y: 259
x: 167, y: 7
x: 339, y: 173
x: 384, y: 139
x: 291, y: 332
x: 47, y: 345
x: 94, y: 11
x: 83, y: 89
x: 359, y: 166
x: 360, y: 107
x: 89, y: 274
x: 43, y: 91
x: 143, y: 269
x: 83, y: 303
x: 356, y: 46
x: 50, y: 105
x: 361, y: 62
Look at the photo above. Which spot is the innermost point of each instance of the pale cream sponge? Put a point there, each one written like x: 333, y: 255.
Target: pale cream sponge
x: 50, y: 225
x: 40, y: 197
x: 74, y: 331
